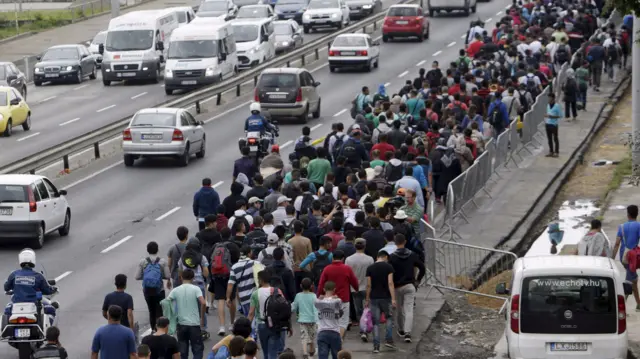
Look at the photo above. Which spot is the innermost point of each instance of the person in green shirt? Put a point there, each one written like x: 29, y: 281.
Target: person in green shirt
x: 582, y: 75
x: 370, y: 117
x: 318, y: 168
x: 376, y: 161
x: 414, y: 104
x: 191, y: 307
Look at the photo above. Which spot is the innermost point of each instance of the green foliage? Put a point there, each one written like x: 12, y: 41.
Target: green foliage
x: 625, y: 6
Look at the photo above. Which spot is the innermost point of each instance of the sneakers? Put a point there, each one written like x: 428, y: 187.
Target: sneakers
x: 376, y: 349
x: 364, y: 337
x: 407, y: 337
x: 389, y: 344
x: 221, y: 332
x: 400, y: 333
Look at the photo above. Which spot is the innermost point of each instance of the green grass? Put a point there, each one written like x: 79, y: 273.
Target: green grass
x: 623, y: 169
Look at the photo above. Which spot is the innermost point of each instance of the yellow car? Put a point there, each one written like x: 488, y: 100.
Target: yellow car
x: 13, y: 111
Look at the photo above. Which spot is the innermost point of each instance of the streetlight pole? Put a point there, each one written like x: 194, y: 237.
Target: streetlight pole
x: 115, y: 8
x: 635, y: 93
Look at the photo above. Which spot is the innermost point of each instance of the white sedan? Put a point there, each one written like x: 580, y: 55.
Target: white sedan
x: 354, y: 50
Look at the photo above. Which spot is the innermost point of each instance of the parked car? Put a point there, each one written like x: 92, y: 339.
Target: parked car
x: 288, y: 92
x: 14, y: 111
x: 11, y: 76
x: 325, y: 13
x: 288, y: 35
x: 31, y: 207
x: 354, y: 50
x: 94, y: 47
x: 405, y: 20
x: 64, y: 63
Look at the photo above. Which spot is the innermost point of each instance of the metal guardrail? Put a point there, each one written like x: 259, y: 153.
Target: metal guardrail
x: 93, y: 139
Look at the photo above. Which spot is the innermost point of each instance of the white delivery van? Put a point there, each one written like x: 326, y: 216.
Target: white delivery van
x: 185, y: 14
x: 466, y: 6
x: 135, y: 45
x: 566, y: 306
x: 256, y: 41
x: 200, y: 54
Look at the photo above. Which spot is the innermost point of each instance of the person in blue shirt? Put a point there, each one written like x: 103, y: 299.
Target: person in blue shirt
x: 25, y: 282
x: 554, y: 112
x: 257, y: 123
x: 500, y: 119
x: 627, y: 238
x: 205, y: 202
x: 114, y: 340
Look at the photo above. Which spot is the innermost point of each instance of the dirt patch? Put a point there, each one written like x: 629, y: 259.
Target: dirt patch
x: 462, y: 331
x: 489, y: 287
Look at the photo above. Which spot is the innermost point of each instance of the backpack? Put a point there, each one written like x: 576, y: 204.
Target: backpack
x: 349, y: 151
x: 47, y: 352
x: 393, y: 173
x: 337, y: 146
x: 458, y: 112
x: 612, y: 52
x: 523, y: 101
x: 305, y: 206
x: 495, y: 120
x: 152, y: 275
x: 242, y: 218
x: 267, y: 258
x: 463, y: 66
x: 221, y: 260
x: 321, y: 262
x: 275, y: 276
x: 288, y: 230
x: 531, y: 85
x: 562, y: 55
x: 277, y: 310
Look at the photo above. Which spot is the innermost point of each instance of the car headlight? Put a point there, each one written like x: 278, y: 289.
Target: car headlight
x: 168, y: 73
x: 366, y: 7
x: 254, y: 50
x: 335, y: 16
x: 285, y: 43
x: 307, y: 17
x: 209, y: 71
x: 38, y: 70
x: 69, y: 68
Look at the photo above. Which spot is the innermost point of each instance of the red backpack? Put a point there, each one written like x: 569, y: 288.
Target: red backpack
x: 221, y: 260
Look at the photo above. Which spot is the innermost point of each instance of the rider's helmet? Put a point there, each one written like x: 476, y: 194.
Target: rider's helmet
x: 255, y: 108
x: 27, y: 258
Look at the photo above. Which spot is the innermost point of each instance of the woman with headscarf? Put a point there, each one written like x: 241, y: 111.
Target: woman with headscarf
x: 380, y: 96
x: 465, y: 156
x: 445, y: 168
x: 570, y: 90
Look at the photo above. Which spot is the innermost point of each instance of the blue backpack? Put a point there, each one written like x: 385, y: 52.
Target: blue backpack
x: 152, y: 275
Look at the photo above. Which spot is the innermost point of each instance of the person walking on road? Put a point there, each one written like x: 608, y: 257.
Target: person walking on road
x: 162, y: 345
x: 114, y: 341
x: 205, y: 202
x: 191, y: 308
x: 380, y: 298
x: 627, y: 238
x: 152, y: 271
x: 571, y: 92
x: 122, y: 300
x: 554, y: 113
x: 175, y: 254
x: 52, y: 348
x: 344, y: 279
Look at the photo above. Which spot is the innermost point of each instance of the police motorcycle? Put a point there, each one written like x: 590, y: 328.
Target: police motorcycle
x: 257, y: 142
x: 24, y: 324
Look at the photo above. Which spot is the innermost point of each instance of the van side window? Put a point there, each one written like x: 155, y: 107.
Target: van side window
x: 230, y: 44
x: 270, y: 28
x: 36, y: 194
x: 44, y: 194
x: 222, y: 48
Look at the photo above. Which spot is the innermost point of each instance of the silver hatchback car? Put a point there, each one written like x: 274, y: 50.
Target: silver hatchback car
x: 163, y: 132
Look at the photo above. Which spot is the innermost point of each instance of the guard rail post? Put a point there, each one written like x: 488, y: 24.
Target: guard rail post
x: 96, y: 150
x: 317, y: 52
x: 238, y: 87
x: 198, y: 109
x: 65, y: 162
x: 26, y: 69
x: 514, y: 141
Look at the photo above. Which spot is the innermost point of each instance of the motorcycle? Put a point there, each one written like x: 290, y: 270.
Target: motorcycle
x: 258, y: 144
x: 24, y: 324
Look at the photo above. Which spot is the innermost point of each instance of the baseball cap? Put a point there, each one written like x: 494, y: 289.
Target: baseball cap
x: 378, y: 170
x: 361, y: 240
x: 275, y: 148
x: 253, y: 200
x: 283, y: 199
x: 355, y: 127
x: 272, y: 238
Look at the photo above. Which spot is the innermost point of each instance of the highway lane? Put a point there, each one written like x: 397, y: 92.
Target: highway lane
x: 125, y: 202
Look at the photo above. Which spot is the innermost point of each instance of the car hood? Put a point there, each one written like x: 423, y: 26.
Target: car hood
x: 322, y: 11
x: 212, y: 13
x: 57, y: 63
x: 359, y: 2
x: 282, y: 38
x: 288, y: 7
x: 245, y: 46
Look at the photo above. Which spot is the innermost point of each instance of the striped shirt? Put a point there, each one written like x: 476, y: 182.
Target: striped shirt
x: 242, y: 276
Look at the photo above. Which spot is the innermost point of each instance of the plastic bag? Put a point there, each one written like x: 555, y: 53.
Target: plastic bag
x: 366, y: 321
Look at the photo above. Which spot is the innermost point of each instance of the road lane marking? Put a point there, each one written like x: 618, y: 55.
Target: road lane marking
x: 26, y: 137
x: 286, y: 144
x: 94, y: 174
x: 387, y: 84
x: 452, y: 43
x: 463, y: 36
x: 138, y: 95
x: 172, y: 211
x: 63, y: 275
x: 316, y: 127
x: 116, y: 244
x: 403, y: 74
x: 48, y: 98
x: 218, y: 184
x: 489, y: 19
x: 340, y: 112
x: 224, y: 113
x: 106, y: 108
x: 437, y: 53
x: 421, y: 63
x: 499, y: 13
x: 80, y: 87
x: 70, y: 121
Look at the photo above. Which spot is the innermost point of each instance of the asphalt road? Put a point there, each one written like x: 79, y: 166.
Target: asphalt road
x: 116, y: 211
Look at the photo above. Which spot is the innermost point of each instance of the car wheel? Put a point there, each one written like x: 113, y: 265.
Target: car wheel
x: 168, y: 92
x: 129, y: 160
x: 26, y: 125
x: 38, y: 241
x: 183, y: 160
x: 369, y: 66
x: 9, y: 130
x: 432, y: 13
x: 428, y: 30
x: 37, y: 83
x: 106, y: 82
x: 377, y: 63
x: 305, y: 116
x: 24, y: 93
x: 203, y: 148
x: 92, y: 76
x: 316, y: 113
x: 64, y: 230
x: 340, y: 25
x: 158, y: 75
x: 306, y: 29
x: 332, y: 68
x: 466, y: 12
x: 473, y: 9
x: 79, y: 77
x: 385, y: 38
x: 421, y: 36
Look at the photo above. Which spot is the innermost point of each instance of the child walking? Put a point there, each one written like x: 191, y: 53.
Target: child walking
x: 304, y: 306
x: 329, y: 313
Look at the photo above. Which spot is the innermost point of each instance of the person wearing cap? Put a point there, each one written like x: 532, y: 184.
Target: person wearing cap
x: 280, y: 214
x: 241, y: 214
x: 359, y: 262
x: 266, y: 255
x: 255, y: 204
x: 205, y: 202
x: 413, y: 209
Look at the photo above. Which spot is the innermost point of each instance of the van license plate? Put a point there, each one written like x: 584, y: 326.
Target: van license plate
x: 23, y: 333
x: 126, y: 74
x: 6, y: 211
x: 192, y: 82
x: 253, y: 148
x: 569, y: 347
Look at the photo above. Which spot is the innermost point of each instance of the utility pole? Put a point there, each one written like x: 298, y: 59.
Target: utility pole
x: 635, y: 93
x: 115, y: 8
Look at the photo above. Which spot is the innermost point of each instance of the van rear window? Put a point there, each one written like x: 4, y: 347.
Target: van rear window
x: 568, y: 305
x: 13, y: 194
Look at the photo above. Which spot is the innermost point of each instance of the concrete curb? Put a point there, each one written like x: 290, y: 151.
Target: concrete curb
x: 17, y: 37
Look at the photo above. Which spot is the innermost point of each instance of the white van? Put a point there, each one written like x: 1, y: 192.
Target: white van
x: 135, y: 45
x: 200, y: 54
x: 466, y: 6
x: 256, y: 41
x: 185, y: 14
x: 565, y: 306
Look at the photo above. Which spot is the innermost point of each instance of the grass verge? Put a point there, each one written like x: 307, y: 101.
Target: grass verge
x: 623, y: 169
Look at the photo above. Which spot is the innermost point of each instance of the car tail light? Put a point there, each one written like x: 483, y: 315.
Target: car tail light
x: 33, y: 206
x: 387, y: 20
x: 177, y: 135
x: 252, y: 141
x: 622, y: 315
x: 126, y: 135
x: 256, y: 98
x: 418, y: 21
x: 22, y: 320
x: 363, y: 53
x: 299, y: 96
x: 332, y: 53
x: 514, y: 315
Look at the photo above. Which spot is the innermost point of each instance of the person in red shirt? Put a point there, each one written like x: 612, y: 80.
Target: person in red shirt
x: 342, y: 275
x: 456, y: 86
x: 383, y: 146
x: 474, y: 47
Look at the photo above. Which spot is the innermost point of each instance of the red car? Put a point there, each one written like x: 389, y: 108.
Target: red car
x: 405, y: 20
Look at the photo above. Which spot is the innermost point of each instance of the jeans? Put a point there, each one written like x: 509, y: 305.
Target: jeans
x: 377, y: 307
x: 611, y: 71
x: 358, y: 302
x: 570, y: 106
x: 153, y: 304
x: 552, y: 137
x: 190, y: 334
x: 582, y: 97
x: 596, y: 73
x: 244, y: 310
x: 405, y: 296
x: 329, y: 342
x: 201, y: 286
x: 271, y: 341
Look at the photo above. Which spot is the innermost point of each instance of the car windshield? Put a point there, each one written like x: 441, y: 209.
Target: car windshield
x: 290, y: 2
x: 346, y: 41
x: 402, y: 11
x: 61, y: 53
x: 213, y: 6
x: 154, y: 120
x: 241, y: 3
x: 277, y: 80
x: 99, y: 39
x: 282, y: 29
x: 252, y: 13
x: 323, y: 4
x: 130, y: 40
x: 193, y: 49
x: 245, y: 33
x: 13, y: 194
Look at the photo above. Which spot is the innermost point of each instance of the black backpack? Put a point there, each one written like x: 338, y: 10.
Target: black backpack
x: 458, y: 112
x: 531, y: 85
x: 321, y: 262
x: 393, y: 173
x: 305, y: 206
x: 562, y: 55
x: 256, y: 240
x: 612, y: 52
x: 495, y: 119
x: 337, y: 146
x: 267, y: 258
x: 277, y: 310
x: 523, y: 101
x: 349, y: 151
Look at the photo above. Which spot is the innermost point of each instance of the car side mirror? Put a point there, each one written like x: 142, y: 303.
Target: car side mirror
x: 200, y: 123
x: 15, y: 102
x: 376, y: 43
x: 159, y: 46
x: 501, y: 289
x: 62, y: 192
x: 101, y: 49
x: 38, y: 57
x: 316, y: 84
x: 223, y: 57
x: 84, y: 56
x: 265, y: 38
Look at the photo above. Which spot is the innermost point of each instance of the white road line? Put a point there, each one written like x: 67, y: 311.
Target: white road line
x: 147, y: 332
x: 437, y: 53
x: 27, y: 137
x: 403, y: 74
x: 387, y: 84
x: 138, y: 95
x: 94, y: 174
x: 70, y: 121
x: 421, y: 63
x: 316, y: 127
x: 451, y: 44
x: 286, y: 144
x: 106, y: 108
x: 499, y: 13
x: 463, y: 36
x: 172, y: 211
x: 377, y: 38
x: 80, y: 87
x: 116, y: 244
x: 508, y: 6
x: 224, y: 113
x: 162, y: 85
x: 48, y: 98
x: 489, y: 19
x: 63, y: 275
x: 218, y: 184
x: 340, y: 112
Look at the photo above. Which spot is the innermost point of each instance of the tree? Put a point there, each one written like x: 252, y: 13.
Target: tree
x: 625, y: 6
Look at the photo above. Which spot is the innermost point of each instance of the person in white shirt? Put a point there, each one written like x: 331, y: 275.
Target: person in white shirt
x: 272, y: 243
x: 472, y: 33
x: 551, y: 48
x: 297, y: 203
x: 280, y: 214
x: 530, y: 76
x: 522, y: 48
x: 239, y: 213
x: 535, y: 46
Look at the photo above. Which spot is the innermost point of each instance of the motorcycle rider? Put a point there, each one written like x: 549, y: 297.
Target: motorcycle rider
x: 258, y: 123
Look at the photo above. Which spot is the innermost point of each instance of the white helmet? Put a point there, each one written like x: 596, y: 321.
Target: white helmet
x: 255, y: 106
x: 27, y: 256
